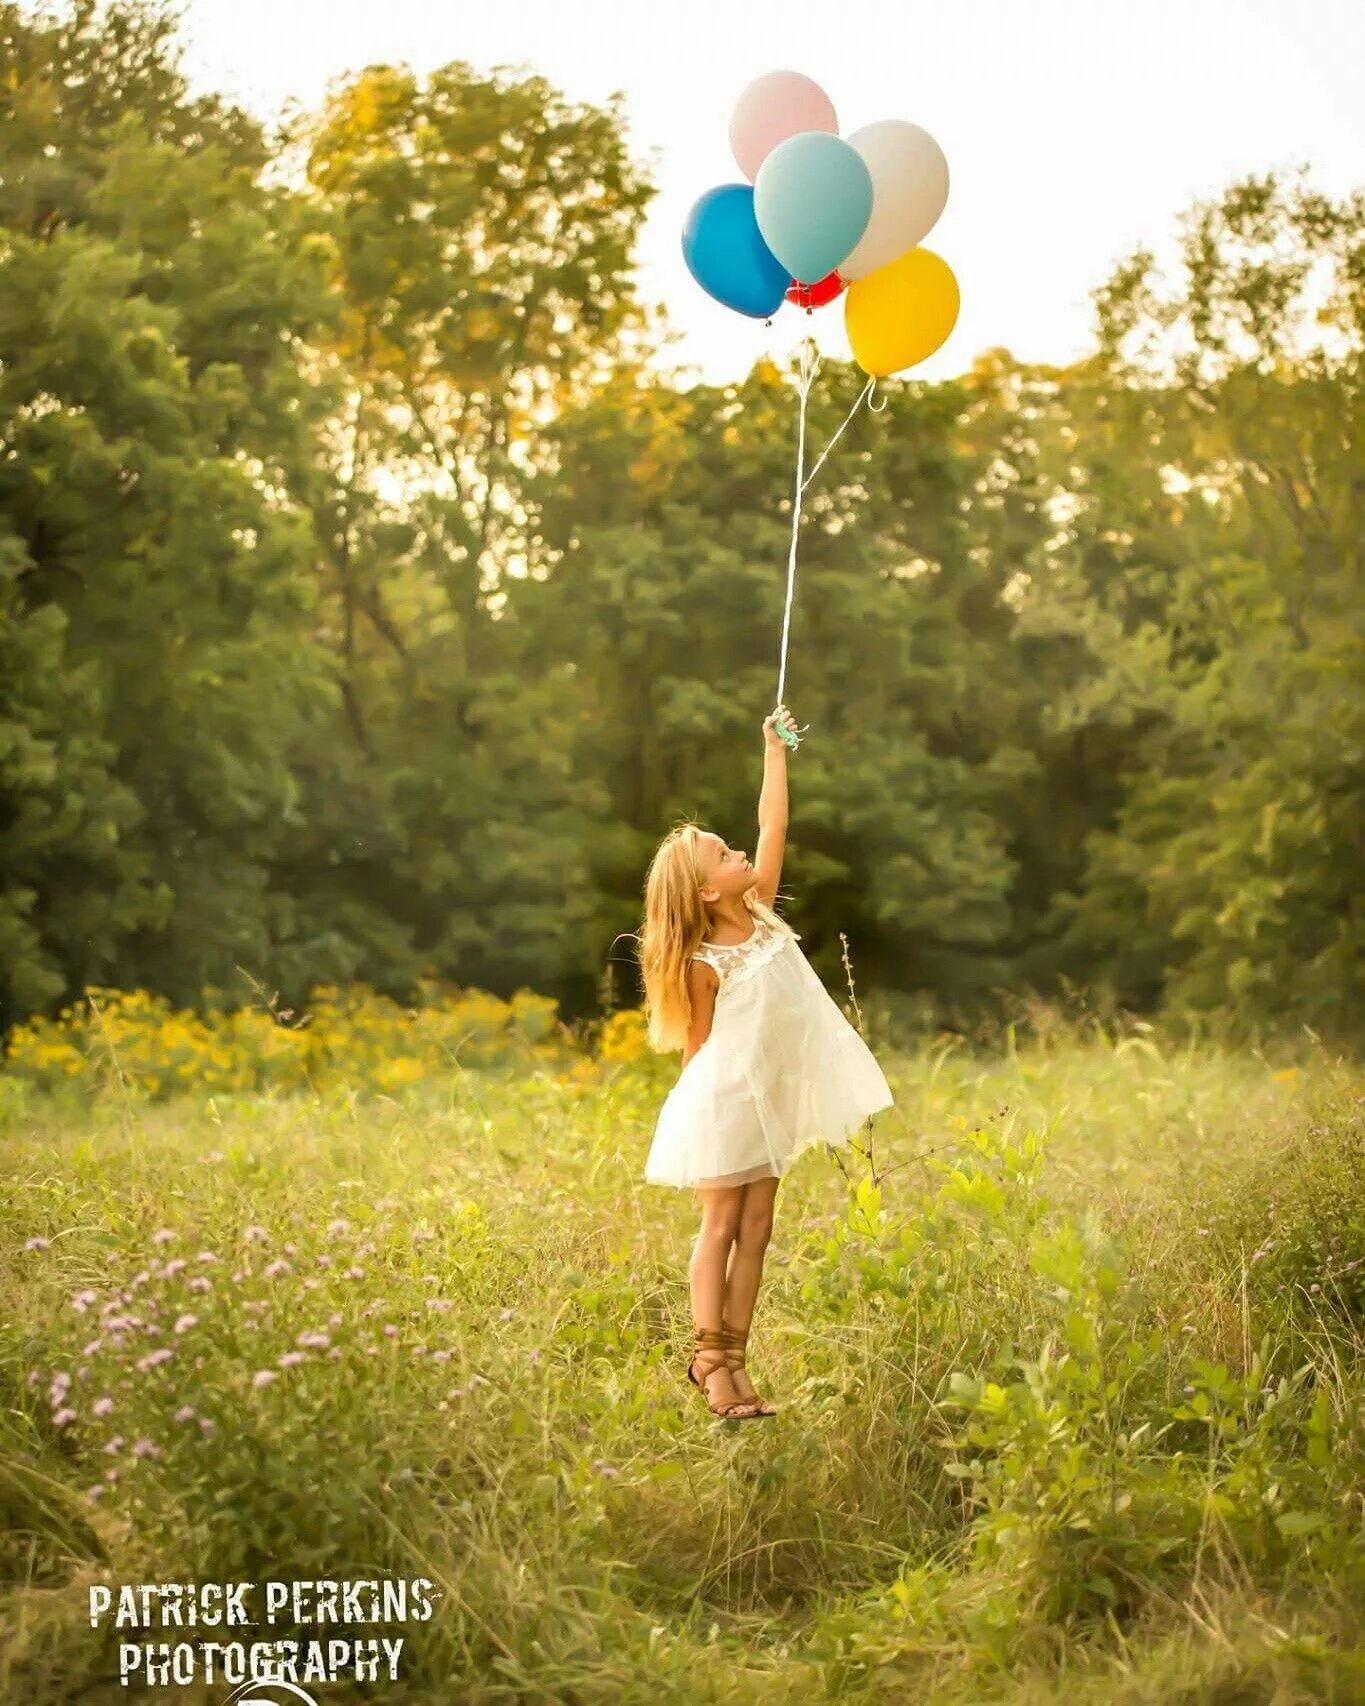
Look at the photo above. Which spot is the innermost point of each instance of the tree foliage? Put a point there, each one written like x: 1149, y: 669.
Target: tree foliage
x: 371, y: 599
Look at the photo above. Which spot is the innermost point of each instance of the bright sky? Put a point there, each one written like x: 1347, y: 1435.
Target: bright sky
x: 1073, y: 132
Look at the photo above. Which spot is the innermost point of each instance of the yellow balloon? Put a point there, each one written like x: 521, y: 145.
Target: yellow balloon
x: 902, y: 312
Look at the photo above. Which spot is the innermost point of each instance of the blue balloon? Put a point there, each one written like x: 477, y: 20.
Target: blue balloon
x: 727, y: 256
x: 812, y: 201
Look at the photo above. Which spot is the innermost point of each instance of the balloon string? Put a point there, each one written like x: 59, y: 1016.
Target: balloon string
x: 863, y: 396
x: 809, y: 366
x: 806, y: 371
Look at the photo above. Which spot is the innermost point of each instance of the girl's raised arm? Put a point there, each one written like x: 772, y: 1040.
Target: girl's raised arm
x: 772, y: 808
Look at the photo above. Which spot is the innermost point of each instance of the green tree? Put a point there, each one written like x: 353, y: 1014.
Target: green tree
x: 1209, y: 580
x: 481, y: 230
x: 664, y: 524
x: 151, y: 301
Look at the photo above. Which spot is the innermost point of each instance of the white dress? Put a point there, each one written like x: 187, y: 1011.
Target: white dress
x: 781, y: 1069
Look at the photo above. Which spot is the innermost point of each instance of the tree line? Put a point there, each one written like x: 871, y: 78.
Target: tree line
x: 373, y: 596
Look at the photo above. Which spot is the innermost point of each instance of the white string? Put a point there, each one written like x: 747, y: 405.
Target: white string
x: 863, y: 396
x: 809, y: 365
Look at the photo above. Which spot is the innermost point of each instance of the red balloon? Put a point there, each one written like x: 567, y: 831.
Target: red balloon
x: 816, y: 295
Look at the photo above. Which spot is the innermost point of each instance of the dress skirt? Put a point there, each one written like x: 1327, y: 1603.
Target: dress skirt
x: 782, y: 1069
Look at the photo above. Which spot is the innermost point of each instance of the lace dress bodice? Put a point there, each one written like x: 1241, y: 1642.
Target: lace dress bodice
x: 736, y: 962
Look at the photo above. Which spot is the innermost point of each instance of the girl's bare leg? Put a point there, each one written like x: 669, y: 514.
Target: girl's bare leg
x: 746, y: 1265
x: 720, y: 1221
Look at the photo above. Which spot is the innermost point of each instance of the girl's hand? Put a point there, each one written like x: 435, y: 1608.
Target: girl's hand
x: 771, y: 739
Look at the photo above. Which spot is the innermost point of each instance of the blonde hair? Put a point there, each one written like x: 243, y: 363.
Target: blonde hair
x: 674, y: 927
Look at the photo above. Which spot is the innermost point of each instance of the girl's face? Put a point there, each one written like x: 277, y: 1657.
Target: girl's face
x: 725, y: 870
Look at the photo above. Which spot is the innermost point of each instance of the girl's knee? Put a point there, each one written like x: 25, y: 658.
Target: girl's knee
x: 718, y: 1231
x: 755, y: 1229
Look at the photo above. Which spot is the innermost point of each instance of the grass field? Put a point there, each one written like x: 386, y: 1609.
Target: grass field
x: 1072, y: 1397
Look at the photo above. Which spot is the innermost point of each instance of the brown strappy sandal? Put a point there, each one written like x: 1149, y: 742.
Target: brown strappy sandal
x: 710, y: 1341
x: 735, y: 1342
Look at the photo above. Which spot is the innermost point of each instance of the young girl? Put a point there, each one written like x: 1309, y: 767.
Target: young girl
x: 770, y: 1065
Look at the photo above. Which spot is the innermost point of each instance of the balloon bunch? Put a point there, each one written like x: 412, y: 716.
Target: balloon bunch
x: 824, y: 216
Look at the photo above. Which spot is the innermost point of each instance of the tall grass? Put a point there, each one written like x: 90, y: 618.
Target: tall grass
x: 1068, y: 1365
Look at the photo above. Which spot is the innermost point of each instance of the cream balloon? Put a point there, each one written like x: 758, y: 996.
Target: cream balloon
x: 909, y: 190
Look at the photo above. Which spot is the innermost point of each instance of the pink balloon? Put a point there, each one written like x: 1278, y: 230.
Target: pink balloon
x: 775, y: 106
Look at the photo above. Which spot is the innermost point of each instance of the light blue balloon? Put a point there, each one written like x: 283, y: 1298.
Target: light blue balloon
x: 812, y: 201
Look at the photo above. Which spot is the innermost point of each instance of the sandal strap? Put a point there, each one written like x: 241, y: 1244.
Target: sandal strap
x: 717, y: 1339
x: 735, y: 1341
